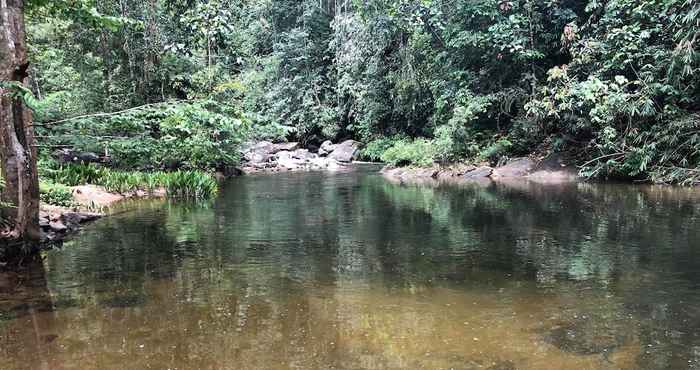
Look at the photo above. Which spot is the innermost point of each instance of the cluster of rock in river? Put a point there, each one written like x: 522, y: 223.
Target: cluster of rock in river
x: 268, y: 157
x: 57, y: 224
x: 549, y: 170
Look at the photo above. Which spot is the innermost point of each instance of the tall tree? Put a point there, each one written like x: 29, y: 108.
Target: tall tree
x: 18, y: 149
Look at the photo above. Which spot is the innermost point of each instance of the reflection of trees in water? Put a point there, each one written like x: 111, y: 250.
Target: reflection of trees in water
x: 26, y: 316
x: 270, y: 244
x: 635, y: 243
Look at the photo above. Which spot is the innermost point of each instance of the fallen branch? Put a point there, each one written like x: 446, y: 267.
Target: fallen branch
x: 108, y: 114
x: 599, y: 158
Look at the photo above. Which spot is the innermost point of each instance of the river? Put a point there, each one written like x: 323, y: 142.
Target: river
x: 351, y: 271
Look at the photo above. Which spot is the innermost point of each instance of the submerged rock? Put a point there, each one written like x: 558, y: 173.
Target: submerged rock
x: 60, y: 223
x: 589, y: 336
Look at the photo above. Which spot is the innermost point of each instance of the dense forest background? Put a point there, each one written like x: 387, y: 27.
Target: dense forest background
x: 183, y: 83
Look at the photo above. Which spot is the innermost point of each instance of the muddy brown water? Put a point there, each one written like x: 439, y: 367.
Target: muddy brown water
x: 350, y: 271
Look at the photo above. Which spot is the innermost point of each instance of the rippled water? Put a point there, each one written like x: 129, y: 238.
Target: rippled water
x: 350, y: 271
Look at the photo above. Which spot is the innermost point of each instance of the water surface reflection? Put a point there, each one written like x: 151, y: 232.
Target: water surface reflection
x: 349, y: 271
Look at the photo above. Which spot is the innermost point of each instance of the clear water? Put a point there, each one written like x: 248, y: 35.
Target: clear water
x: 350, y: 271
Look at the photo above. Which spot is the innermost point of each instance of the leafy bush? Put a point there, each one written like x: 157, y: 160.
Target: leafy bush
x: 496, y: 150
x: 375, y: 149
x: 202, y: 135
x: 74, y: 174
x: 419, y: 152
x: 55, y: 194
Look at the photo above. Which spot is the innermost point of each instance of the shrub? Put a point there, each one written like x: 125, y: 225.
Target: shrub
x: 419, y: 152
x: 375, y: 149
x: 55, y: 194
x: 496, y: 150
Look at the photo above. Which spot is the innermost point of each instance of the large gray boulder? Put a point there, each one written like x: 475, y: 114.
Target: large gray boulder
x: 479, y: 173
x: 520, y: 167
x: 69, y: 155
x: 347, y: 151
x: 285, y: 146
x: 303, y: 154
x: 326, y: 148
x: 265, y: 151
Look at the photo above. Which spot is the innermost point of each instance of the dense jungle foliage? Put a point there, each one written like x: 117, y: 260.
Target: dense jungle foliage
x: 181, y: 84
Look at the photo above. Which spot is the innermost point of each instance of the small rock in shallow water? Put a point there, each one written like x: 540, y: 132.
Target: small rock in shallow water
x: 479, y: 173
x: 58, y: 226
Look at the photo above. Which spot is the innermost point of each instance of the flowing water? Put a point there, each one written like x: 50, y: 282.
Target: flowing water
x: 350, y: 271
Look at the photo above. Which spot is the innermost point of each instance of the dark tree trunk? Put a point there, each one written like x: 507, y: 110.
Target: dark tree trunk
x: 17, y: 142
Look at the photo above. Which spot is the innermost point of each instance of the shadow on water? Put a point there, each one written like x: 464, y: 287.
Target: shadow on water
x: 349, y: 271
x: 26, y: 315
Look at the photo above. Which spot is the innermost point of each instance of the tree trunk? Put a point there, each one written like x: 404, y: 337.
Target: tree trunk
x: 17, y: 142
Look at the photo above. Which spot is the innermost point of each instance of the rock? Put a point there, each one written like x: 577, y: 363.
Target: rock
x: 554, y: 169
x: 347, y: 151
x: 58, y: 226
x: 303, y: 154
x: 88, y: 157
x: 258, y: 157
x: 327, y: 147
x: 503, y: 365
x: 520, y: 167
x: 92, y: 195
x: 79, y: 217
x: 479, y: 173
x: 68, y: 155
x: 265, y: 151
x: 286, y: 146
x: 44, y: 223
x: 72, y: 218
x: 589, y: 336
x: 225, y: 172
x: 264, y: 146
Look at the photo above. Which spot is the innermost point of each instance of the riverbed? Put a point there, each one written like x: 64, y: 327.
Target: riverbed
x: 347, y: 270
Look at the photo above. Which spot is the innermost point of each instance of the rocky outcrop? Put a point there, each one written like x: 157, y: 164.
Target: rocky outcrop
x: 451, y: 173
x: 73, y: 156
x: 59, y: 223
x: 478, y: 173
x: 553, y: 169
x: 520, y: 167
x: 268, y: 157
x: 346, y: 152
x: 326, y: 148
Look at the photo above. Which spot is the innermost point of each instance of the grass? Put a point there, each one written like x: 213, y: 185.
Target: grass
x: 177, y: 184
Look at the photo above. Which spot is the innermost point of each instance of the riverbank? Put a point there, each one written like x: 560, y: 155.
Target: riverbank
x: 546, y: 170
x: 90, y: 203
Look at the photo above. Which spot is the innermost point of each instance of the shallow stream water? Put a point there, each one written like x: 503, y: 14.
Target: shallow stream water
x: 351, y: 271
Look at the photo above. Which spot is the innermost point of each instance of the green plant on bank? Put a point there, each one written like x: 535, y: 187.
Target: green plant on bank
x: 419, y: 152
x: 2, y: 187
x: 55, y: 194
x: 177, y: 184
x: 189, y: 184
